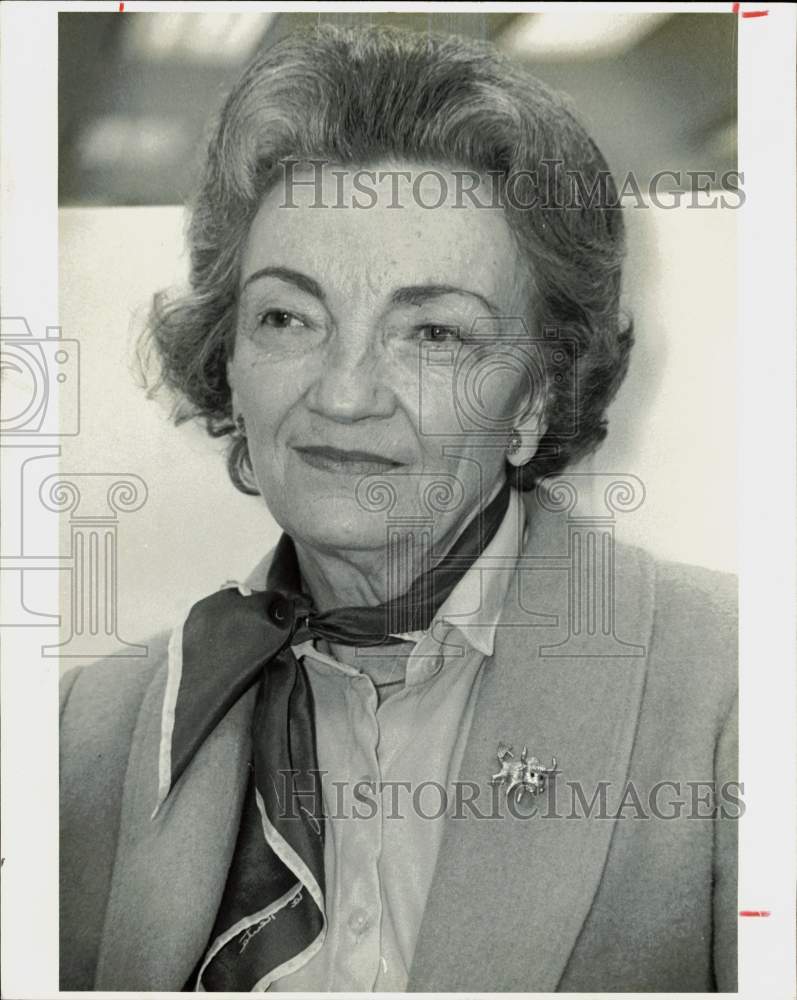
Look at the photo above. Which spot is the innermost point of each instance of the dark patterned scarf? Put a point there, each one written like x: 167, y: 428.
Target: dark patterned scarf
x: 271, y: 919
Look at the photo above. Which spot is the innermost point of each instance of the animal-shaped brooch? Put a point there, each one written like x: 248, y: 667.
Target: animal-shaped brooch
x: 524, y: 776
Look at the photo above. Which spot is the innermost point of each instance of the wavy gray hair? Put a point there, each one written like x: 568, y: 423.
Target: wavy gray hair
x: 353, y: 97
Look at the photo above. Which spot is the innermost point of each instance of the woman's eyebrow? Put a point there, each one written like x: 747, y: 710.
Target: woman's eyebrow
x: 287, y: 274
x: 416, y: 295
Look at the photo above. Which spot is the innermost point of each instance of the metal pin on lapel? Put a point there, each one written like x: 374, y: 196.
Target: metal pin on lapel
x: 524, y: 776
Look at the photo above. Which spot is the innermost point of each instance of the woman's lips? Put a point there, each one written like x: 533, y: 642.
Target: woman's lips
x: 355, y: 463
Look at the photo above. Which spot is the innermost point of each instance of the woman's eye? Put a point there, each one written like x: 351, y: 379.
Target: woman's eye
x: 278, y: 319
x: 438, y: 333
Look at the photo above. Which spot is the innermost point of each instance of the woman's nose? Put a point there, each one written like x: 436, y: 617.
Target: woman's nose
x: 351, y: 382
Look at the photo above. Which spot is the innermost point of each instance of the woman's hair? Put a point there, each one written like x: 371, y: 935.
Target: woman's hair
x: 354, y: 97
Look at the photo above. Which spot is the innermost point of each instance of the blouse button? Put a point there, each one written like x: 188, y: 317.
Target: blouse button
x: 278, y: 611
x: 358, y: 921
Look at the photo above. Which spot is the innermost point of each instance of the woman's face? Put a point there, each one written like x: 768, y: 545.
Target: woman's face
x: 380, y: 345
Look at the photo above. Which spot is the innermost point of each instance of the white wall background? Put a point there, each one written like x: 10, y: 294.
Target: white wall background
x: 673, y: 424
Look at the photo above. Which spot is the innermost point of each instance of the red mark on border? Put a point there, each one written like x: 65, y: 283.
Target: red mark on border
x: 754, y: 913
x: 121, y: 8
x: 749, y: 13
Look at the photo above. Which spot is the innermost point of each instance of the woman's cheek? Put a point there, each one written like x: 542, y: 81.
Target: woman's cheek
x: 433, y: 393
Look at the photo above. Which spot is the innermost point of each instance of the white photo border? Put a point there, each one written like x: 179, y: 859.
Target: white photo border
x: 767, y: 485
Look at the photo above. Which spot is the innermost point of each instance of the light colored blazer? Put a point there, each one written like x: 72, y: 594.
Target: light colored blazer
x: 542, y: 904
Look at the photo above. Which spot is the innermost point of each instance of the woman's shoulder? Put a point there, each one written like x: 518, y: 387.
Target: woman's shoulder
x: 695, y: 622
x: 681, y: 586
x: 678, y: 588
x: 115, y: 680
x: 101, y: 701
x: 693, y: 645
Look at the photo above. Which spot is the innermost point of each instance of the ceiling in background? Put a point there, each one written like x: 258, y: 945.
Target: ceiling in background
x: 136, y: 91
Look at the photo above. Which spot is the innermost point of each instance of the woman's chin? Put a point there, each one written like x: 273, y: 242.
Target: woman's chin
x: 334, y: 524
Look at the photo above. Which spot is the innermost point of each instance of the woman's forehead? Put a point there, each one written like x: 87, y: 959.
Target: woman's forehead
x: 385, y: 226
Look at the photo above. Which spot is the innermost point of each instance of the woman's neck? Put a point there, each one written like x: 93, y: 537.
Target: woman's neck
x: 359, y: 578
x: 339, y: 580
x: 369, y: 577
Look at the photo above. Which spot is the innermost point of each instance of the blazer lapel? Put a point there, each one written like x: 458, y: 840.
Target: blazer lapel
x: 170, y: 871
x: 509, y: 895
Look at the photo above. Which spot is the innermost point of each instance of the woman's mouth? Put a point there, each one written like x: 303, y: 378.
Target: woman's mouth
x: 353, y: 463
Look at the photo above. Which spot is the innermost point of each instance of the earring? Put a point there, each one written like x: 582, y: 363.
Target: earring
x: 240, y: 425
x: 515, y: 442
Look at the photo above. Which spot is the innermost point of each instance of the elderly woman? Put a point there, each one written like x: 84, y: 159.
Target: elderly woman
x: 448, y: 735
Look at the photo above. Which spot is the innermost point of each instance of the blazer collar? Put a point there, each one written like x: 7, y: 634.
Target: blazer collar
x: 522, y: 887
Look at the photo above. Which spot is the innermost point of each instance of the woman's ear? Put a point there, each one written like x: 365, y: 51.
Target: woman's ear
x: 235, y: 403
x: 230, y: 372
x: 526, y: 436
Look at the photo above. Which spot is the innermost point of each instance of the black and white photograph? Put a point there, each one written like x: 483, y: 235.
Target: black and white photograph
x: 398, y: 475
